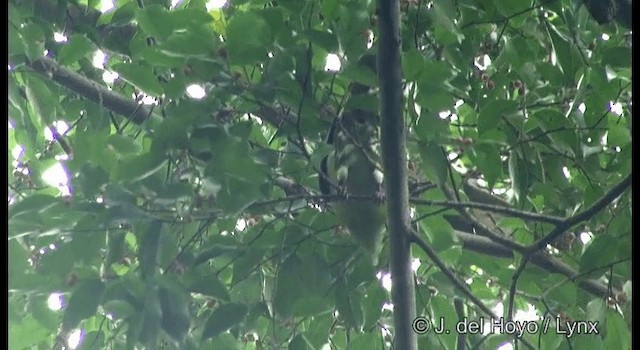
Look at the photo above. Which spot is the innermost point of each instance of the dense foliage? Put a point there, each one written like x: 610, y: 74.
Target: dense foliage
x: 189, y: 222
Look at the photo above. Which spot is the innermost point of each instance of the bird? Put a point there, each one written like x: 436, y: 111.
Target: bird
x: 352, y: 169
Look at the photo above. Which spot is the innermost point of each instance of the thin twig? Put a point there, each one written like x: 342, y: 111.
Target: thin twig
x: 605, y: 200
x: 454, y: 279
x: 492, y: 208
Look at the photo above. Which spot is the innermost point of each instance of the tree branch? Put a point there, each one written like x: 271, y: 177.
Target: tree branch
x: 415, y: 238
x: 605, y: 200
x: 119, y: 104
x: 472, y: 242
x: 492, y: 208
x: 455, y: 280
x: 394, y: 162
x: 484, y: 245
x: 93, y: 91
x: 532, y: 249
x: 481, y: 228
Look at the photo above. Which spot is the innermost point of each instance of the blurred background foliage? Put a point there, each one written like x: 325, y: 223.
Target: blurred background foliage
x: 163, y: 161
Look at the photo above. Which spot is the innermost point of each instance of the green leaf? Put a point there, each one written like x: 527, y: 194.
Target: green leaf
x: 567, y: 53
x: 248, y: 37
x: 359, y: 73
x: 509, y: 8
x: 37, y: 203
x: 318, y: 330
x: 39, y: 308
x: 559, y: 129
x: 134, y: 168
x: 92, y: 340
x: 79, y: 46
x: 197, y: 41
x: 115, y: 249
x: 57, y: 262
x: 618, y: 56
x: 491, y: 114
x: 156, y: 57
x: 589, y: 341
x: 123, y: 144
x: 33, y: 41
x: 324, y: 39
x: 349, y: 305
x: 119, y: 309
x: 175, y: 191
x: 209, y: 285
x: 14, y: 40
x: 238, y: 174
x: 618, y: 335
x: 598, y: 255
x: 149, y: 326
x: 26, y: 333
x: 433, y: 77
x: 446, y: 30
x: 172, y: 133
x: 430, y: 127
x: 223, y: 318
x: 185, y: 18
x: 489, y: 162
x: 174, y: 302
x: 91, y: 179
x: 42, y: 100
x: 563, y: 292
x: 299, y: 342
x: 87, y: 245
x: 365, y: 341
x: 439, y: 232
x: 285, y: 295
x: 310, y: 306
x: 550, y: 340
x: 519, y: 176
x: 141, y: 76
x: 434, y: 162
x: 17, y: 261
x: 596, y: 310
x: 83, y: 303
x: 618, y: 135
x: 412, y: 65
x: 315, y: 276
x: 155, y: 20
x: 169, y: 250
x: 149, y: 248
x: 443, y: 308
x: 374, y: 299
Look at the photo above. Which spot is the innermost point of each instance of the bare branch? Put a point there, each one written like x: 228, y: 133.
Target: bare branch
x: 394, y: 161
x: 455, y: 280
x: 450, y: 275
x: 586, y: 214
x: 484, y: 245
x: 93, y: 91
x: 492, y: 208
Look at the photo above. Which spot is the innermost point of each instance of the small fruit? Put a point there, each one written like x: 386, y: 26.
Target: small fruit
x: 491, y: 85
x: 620, y: 297
x: 222, y: 52
x: 517, y: 83
x: 72, y: 278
